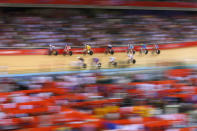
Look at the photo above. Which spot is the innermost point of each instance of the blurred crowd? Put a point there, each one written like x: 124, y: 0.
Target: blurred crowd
x: 141, y: 101
x: 41, y: 27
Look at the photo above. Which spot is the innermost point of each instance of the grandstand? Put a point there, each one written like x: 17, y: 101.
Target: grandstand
x: 100, y: 101
x: 39, y: 28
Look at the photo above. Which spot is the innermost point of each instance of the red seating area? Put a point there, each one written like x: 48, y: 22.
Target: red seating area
x: 102, y: 106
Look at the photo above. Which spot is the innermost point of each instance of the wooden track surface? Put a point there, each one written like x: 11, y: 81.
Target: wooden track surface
x: 43, y: 63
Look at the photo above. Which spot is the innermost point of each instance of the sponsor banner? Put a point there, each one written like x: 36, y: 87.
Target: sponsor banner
x: 178, y: 45
x: 106, y: 3
x: 161, y: 4
x: 72, y: 2
x: 95, y: 50
x: 23, y: 51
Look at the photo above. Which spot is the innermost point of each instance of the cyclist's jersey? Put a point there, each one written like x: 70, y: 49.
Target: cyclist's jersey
x: 112, y: 59
x: 109, y: 46
x: 130, y: 46
x: 96, y: 60
x: 156, y: 46
x: 130, y: 56
x: 67, y: 48
x: 51, y: 47
x: 144, y: 46
x: 88, y: 47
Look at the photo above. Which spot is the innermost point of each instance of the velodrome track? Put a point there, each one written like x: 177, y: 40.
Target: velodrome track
x: 44, y: 63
